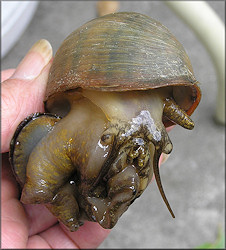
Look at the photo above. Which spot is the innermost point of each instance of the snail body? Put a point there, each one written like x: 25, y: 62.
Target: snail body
x: 114, y: 85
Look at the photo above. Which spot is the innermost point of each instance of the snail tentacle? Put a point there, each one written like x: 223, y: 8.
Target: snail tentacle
x: 158, y: 180
x: 173, y: 112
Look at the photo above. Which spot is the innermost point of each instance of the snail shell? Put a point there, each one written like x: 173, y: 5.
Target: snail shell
x: 120, y: 52
x: 114, y: 85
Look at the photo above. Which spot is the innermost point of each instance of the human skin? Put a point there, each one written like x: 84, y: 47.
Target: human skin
x: 32, y: 226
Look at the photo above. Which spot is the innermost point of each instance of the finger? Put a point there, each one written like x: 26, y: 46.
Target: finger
x: 164, y: 157
x: 33, y: 63
x: 37, y: 242
x: 14, y: 227
x: 9, y: 186
x: 23, y: 93
x: 57, y: 239
x: 5, y: 74
x: 40, y: 218
x: 90, y: 235
x: 170, y: 128
x: 14, y: 223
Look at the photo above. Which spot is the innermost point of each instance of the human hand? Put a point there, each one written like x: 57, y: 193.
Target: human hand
x: 32, y: 226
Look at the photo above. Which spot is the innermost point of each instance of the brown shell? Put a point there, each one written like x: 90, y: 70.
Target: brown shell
x: 120, y: 52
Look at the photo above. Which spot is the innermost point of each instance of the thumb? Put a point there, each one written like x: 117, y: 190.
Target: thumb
x: 23, y: 93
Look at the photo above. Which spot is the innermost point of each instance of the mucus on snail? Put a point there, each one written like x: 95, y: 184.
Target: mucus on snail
x: 114, y: 86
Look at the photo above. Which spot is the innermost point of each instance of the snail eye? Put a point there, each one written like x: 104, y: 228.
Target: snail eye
x: 107, y: 139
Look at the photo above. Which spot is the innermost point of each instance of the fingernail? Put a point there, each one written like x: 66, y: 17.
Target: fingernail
x: 35, y: 60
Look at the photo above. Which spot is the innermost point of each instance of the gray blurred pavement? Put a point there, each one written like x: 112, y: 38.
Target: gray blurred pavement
x: 194, y: 175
